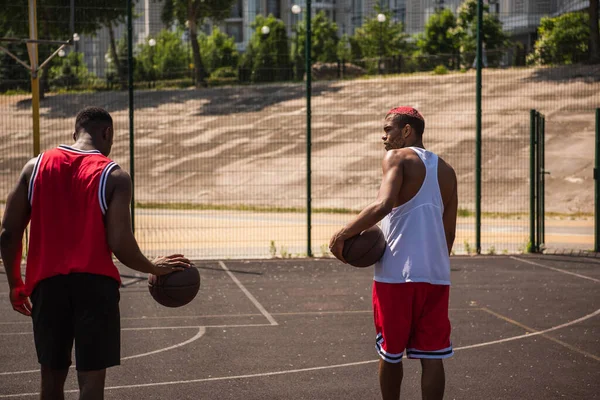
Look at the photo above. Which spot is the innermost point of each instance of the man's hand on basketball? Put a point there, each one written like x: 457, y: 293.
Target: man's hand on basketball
x: 336, y: 245
x: 19, y: 300
x: 172, y: 263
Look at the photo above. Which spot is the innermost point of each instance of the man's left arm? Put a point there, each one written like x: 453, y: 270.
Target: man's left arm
x: 15, y: 220
x: 392, y: 166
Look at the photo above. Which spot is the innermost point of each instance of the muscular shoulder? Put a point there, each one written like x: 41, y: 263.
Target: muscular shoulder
x: 445, y: 171
x: 27, y: 171
x: 118, y: 181
x: 398, y: 157
x: 118, y: 178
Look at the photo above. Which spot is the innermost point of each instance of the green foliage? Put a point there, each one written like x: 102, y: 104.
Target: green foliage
x: 195, y: 13
x: 494, y: 38
x: 53, y: 18
x: 273, y: 249
x: 440, y: 43
x: 115, y: 71
x: 468, y: 247
x: 223, y: 76
x: 324, y: 40
x: 344, y: 48
x: 380, y: 39
x: 440, y: 70
x: 168, y: 59
x: 562, y: 40
x: 70, y: 71
x: 267, y: 58
x: 324, y: 43
x: 218, y: 50
x: 13, y: 76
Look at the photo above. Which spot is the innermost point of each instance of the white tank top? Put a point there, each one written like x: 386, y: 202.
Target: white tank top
x: 416, y: 241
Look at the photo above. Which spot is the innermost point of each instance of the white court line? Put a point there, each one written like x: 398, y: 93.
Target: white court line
x: 264, y: 312
x: 340, y: 312
x: 556, y: 269
x: 291, y: 371
x: 201, y: 332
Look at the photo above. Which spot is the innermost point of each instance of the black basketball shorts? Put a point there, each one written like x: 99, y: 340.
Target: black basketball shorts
x: 77, y: 307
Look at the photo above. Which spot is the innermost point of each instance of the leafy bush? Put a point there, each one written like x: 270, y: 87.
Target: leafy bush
x: 218, y: 50
x: 562, y: 40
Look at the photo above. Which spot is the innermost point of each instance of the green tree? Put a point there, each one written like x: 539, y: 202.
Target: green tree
x: 13, y: 75
x: 267, y: 58
x: 218, y: 50
x: 53, y: 23
x: 344, y: 48
x: 324, y: 39
x: 440, y: 42
x: 167, y: 59
x: 195, y: 12
x: 562, y: 40
x: 494, y: 38
x: 377, y: 40
x: 70, y: 71
x: 594, y: 31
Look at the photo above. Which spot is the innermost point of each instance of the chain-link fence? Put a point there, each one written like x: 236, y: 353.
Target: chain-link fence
x: 220, y: 136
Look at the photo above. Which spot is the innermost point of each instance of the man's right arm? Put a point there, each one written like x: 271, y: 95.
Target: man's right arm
x: 119, y: 232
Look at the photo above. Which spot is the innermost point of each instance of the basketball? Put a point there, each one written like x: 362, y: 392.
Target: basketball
x: 175, y: 289
x: 366, y: 248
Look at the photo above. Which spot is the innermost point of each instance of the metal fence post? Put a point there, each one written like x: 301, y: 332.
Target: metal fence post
x: 478, y: 130
x: 130, y: 87
x: 308, y: 129
x: 597, y: 186
x: 532, y: 181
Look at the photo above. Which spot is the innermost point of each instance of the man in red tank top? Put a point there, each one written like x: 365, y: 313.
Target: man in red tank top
x: 77, y: 202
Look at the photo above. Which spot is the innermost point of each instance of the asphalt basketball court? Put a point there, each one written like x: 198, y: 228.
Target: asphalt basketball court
x: 523, y: 328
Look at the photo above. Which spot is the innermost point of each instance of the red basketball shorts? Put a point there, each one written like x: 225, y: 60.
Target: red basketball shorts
x: 413, y: 317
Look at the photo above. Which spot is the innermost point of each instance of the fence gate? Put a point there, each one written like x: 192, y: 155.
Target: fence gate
x: 537, y: 182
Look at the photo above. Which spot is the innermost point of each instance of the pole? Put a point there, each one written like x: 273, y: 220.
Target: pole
x: 380, y: 46
x: 130, y: 79
x: 597, y: 186
x: 35, y: 81
x: 478, y: 130
x: 308, y: 128
x: 532, y: 181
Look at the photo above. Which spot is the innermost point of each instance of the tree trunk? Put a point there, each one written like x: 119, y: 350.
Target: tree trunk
x: 594, y: 32
x: 121, y: 72
x: 199, y: 71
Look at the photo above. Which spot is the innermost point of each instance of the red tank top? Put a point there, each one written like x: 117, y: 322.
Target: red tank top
x: 68, y: 202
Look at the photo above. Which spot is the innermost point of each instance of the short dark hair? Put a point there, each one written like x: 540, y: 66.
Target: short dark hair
x: 417, y: 124
x: 91, y: 119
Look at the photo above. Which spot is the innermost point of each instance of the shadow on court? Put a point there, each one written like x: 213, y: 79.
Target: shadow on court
x: 523, y: 328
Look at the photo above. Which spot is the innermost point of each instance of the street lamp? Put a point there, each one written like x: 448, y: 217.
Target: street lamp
x: 381, y: 19
x: 265, y: 30
x: 61, y: 53
x: 296, y: 9
x: 152, y: 42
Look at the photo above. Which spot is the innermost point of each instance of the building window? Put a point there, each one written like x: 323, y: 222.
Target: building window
x: 237, y: 10
x: 274, y: 7
x: 236, y: 30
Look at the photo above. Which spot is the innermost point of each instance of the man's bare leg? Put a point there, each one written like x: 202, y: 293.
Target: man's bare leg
x: 53, y: 383
x: 433, y: 380
x: 390, y: 380
x: 91, y: 384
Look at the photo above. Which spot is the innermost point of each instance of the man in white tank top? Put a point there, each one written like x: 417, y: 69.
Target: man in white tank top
x: 417, y: 205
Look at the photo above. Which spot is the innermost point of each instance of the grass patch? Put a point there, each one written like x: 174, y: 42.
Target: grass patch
x: 242, y: 207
